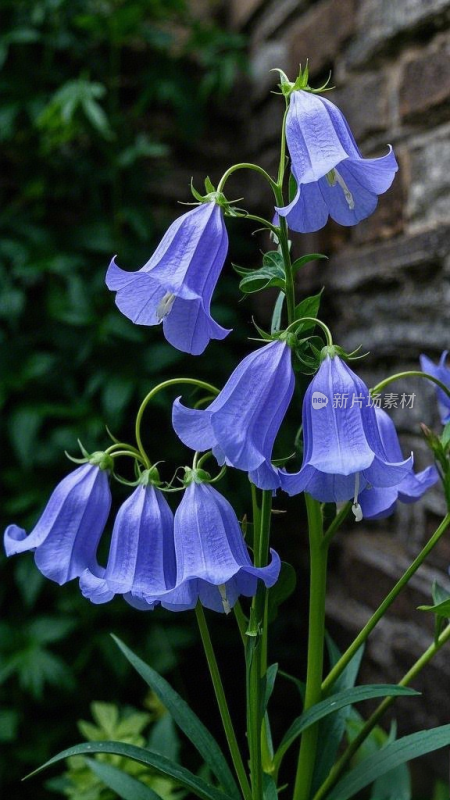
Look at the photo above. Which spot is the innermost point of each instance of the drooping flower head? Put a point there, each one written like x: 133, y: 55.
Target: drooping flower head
x: 442, y: 373
x: 212, y: 560
x: 333, y: 179
x: 175, y: 286
x: 241, y: 424
x: 343, y: 450
x: 66, y: 536
x: 380, y: 503
x: 141, y: 556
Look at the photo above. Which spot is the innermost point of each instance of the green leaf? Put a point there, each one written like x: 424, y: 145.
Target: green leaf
x: 334, y: 703
x: 262, y: 278
x: 388, y: 758
x: 441, y: 609
x: 269, y: 683
x: 274, y: 259
x: 275, y: 324
x: 300, y: 262
x: 332, y: 730
x: 282, y: 589
x: 309, y: 307
x: 186, y: 720
x: 164, y: 738
x: 394, y: 785
x: 160, y: 764
x: 445, y: 436
x: 269, y: 788
x: 124, y: 785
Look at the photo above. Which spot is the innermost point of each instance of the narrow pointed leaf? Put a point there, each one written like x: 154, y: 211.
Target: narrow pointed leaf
x: 186, y: 720
x: 309, y: 307
x: 157, y: 762
x: 390, y: 757
x: 124, y: 785
x: 276, y: 316
x: 335, y: 703
x: 300, y: 262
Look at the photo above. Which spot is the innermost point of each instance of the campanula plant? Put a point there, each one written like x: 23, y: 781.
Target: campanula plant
x: 176, y: 539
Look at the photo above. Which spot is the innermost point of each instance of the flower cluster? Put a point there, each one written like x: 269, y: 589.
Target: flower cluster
x: 155, y: 557
x: 350, y: 450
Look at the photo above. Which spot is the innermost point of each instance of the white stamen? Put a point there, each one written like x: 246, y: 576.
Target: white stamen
x: 356, y: 508
x: 333, y: 177
x: 223, y: 593
x: 165, y: 306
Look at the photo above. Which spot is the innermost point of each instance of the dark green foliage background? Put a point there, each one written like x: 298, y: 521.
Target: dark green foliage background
x: 103, y: 100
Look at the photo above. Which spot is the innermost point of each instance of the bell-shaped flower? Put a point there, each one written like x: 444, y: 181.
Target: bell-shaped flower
x: 380, y: 503
x: 141, y: 556
x: 175, y: 286
x: 241, y: 424
x: 66, y: 536
x: 213, y: 563
x: 442, y: 373
x: 343, y: 450
x: 333, y: 179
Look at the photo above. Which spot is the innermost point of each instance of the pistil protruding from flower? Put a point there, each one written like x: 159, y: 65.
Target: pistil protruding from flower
x: 356, y: 508
x: 165, y: 306
x: 333, y: 177
x: 223, y: 594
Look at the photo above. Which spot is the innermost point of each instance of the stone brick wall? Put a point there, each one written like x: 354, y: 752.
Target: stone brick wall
x: 387, y: 280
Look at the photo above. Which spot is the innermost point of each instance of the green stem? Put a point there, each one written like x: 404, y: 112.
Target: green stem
x: 256, y: 646
x: 244, y: 165
x: 381, y: 610
x: 151, y: 395
x: 378, y: 713
x: 336, y: 523
x: 412, y: 373
x: 222, y: 703
x: 316, y: 635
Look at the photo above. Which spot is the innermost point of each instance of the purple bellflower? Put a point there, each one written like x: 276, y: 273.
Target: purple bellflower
x: 333, y: 179
x: 380, y: 503
x: 141, y: 556
x: 343, y: 450
x: 242, y: 422
x: 175, y: 286
x: 213, y: 564
x: 442, y: 373
x: 66, y: 536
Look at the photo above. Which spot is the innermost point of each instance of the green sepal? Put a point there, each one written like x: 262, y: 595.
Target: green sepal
x: 266, y: 336
x: 196, y: 475
x: 209, y: 186
x: 194, y: 192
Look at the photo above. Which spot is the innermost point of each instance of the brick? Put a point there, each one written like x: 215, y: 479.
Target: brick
x: 275, y: 17
x: 364, y: 101
x: 385, y: 261
x: 428, y: 201
x: 425, y: 81
x: 320, y: 33
x: 242, y: 10
x: 386, y: 221
x: 268, y: 56
x: 381, y: 21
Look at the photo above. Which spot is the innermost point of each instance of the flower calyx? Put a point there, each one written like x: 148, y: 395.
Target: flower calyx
x: 99, y: 458
x: 301, y: 82
x: 211, y: 196
x: 195, y: 475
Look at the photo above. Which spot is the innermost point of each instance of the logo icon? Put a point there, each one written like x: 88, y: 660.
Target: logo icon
x: 319, y: 400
